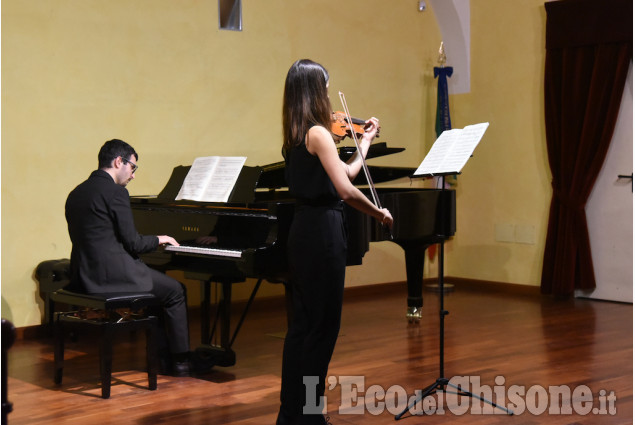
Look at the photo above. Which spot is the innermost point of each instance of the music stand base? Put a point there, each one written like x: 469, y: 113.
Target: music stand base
x: 441, y: 385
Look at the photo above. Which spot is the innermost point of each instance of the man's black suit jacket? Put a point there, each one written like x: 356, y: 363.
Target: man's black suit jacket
x: 105, y: 240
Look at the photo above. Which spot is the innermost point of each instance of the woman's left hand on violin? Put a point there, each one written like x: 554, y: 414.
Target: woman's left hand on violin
x: 341, y: 128
x: 371, y: 129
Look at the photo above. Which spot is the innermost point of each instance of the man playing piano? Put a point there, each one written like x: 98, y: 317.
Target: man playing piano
x: 106, y: 245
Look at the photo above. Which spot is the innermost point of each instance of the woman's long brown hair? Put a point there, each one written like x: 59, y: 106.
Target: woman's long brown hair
x: 305, y: 103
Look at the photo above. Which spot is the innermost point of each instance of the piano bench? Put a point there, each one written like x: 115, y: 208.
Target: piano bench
x: 108, y: 313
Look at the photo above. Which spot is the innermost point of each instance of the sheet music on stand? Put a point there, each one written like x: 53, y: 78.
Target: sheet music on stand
x: 211, y: 178
x: 450, y: 152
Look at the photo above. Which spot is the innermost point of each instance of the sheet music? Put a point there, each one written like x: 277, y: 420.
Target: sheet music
x: 452, y: 149
x: 211, y: 178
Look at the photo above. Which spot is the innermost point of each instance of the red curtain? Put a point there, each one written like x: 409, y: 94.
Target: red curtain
x: 589, y: 48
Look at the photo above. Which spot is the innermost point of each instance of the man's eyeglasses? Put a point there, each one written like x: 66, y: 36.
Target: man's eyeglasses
x: 134, y: 166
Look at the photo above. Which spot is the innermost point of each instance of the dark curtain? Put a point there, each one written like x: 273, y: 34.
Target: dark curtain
x: 589, y: 48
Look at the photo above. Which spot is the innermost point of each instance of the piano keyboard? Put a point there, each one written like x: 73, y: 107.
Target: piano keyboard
x: 205, y: 251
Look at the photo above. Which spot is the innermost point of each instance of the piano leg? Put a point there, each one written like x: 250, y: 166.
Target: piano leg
x: 205, y: 310
x: 224, y: 312
x: 208, y: 353
x: 415, y: 257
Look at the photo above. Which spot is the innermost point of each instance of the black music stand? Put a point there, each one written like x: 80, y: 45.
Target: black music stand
x: 442, y: 382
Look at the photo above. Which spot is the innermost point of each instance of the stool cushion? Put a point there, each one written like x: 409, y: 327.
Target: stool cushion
x: 106, y: 301
x: 53, y: 274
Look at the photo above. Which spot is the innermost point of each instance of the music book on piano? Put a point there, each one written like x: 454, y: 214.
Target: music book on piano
x: 211, y: 178
x: 452, y: 149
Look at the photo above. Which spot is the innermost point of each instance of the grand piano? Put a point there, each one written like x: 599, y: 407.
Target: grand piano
x: 226, y: 243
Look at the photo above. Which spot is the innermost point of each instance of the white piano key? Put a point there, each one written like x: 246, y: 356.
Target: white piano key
x: 205, y: 251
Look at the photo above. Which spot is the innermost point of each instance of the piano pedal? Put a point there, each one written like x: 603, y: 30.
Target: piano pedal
x: 413, y: 314
x: 208, y: 356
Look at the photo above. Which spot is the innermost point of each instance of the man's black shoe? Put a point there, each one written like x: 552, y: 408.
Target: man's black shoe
x: 181, y: 369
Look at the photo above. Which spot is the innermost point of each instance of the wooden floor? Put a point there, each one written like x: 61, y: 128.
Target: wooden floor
x: 508, y: 340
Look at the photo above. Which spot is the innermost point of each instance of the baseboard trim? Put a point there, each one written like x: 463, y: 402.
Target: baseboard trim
x: 491, y: 286
x: 351, y: 294
x: 459, y: 282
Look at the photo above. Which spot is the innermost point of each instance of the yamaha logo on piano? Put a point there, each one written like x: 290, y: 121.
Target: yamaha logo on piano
x: 191, y: 229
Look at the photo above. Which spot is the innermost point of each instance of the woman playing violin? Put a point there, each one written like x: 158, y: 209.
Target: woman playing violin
x: 321, y: 182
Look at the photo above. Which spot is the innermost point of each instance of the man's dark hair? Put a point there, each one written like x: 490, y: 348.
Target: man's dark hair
x: 112, y: 149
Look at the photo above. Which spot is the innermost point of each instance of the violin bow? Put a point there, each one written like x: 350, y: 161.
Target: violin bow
x: 373, y: 191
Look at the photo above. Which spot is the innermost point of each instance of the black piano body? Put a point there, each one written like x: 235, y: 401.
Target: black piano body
x: 249, y: 235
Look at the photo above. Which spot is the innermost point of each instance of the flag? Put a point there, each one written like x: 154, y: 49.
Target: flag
x: 442, y: 121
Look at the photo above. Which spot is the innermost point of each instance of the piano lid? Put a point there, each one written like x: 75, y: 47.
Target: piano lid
x: 375, y: 151
x: 243, y: 191
x: 272, y: 176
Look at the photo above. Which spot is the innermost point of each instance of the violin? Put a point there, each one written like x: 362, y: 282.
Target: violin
x: 354, y: 135
x: 342, y: 127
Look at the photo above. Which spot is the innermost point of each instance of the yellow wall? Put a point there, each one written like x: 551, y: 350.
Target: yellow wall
x: 160, y: 75
x: 507, y: 182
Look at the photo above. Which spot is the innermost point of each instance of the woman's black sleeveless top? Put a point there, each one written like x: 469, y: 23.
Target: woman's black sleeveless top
x: 307, y: 179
